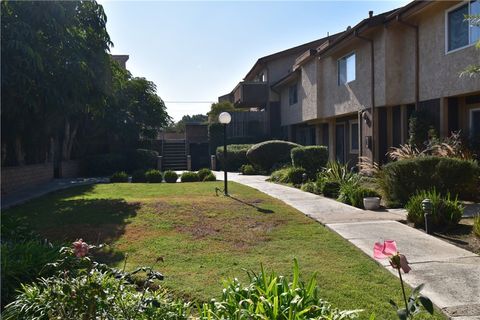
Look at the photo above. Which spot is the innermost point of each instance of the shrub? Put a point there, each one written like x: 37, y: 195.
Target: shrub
x: 267, y: 154
x: 476, y: 225
x: 170, y: 176
x: 310, y: 187
x: 153, y: 176
x: 141, y: 159
x: 202, y: 173
x: 248, y: 170
x: 280, y: 175
x: 269, y: 296
x: 236, y: 156
x: 139, y: 176
x: 402, y: 179
x: 210, y: 177
x: 354, y: 195
x: 288, y: 175
x: 337, y: 172
x: 331, y: 189
x: 189, y: 176
x: 104, y: 164
x: 311, y: 158
x: 295, y: 175
x: 121, y: 176
x: 84, y: 289
x: 22, y: 263
x: 445, y: 210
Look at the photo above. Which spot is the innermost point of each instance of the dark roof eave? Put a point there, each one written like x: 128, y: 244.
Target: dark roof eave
x: 288, y: 78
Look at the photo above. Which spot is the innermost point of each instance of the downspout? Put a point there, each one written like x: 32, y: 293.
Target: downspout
x: 372, y: 93
x: 417, y: 60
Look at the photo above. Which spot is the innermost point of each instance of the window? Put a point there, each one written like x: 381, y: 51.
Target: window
x: 293, y: 94
x: 460, y: 33
x: 353, y: 136
x: 346, y: 69
x: 475, y: 123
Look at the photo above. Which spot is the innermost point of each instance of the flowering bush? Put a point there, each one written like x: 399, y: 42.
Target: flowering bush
x: 84, y: 289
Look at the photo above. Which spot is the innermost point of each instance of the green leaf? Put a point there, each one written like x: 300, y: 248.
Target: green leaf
x: 418, y: 289
x: 426, y: 303
x: 402, y: 314
x: 393, y: 304
x: 372, y: 316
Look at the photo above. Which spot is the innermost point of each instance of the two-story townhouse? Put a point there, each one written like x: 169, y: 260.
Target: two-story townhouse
x: 256, y: 93
x: 358, y: 91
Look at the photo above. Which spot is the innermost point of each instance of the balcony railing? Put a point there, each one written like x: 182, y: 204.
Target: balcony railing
x: 250, y: 94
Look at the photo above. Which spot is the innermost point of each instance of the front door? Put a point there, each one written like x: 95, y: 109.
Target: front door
x: 340, y: 142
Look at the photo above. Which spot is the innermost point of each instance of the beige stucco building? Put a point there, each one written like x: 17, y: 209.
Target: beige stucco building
x: 355, y: 91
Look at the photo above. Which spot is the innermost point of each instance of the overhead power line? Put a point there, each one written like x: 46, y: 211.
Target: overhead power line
x: 189, y: 101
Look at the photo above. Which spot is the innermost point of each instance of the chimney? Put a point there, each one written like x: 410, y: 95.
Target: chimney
x: 370, y: 13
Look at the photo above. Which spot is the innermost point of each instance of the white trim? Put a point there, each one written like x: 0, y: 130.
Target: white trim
x: 351, y: 53
x: 350, y: 123
x: 465, y: 2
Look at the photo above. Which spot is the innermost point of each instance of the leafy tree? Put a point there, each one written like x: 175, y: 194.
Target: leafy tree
x: 218, y: 108
x: 180, y: 125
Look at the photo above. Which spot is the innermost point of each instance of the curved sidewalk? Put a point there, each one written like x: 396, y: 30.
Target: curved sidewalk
x: 451, y: 275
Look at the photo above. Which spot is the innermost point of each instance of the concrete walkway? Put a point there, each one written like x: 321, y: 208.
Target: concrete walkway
x: 451, y: 275
x: 16, y: 198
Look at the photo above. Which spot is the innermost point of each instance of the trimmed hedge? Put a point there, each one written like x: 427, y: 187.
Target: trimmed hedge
x: 445, y: 210
x: 154, y: 176
x: 170, y: 176
x: 202, y: 173
x: 267, y: 154
x: 236, y: 156
x: 312, y: 158
x: 248, y: 170
x: 209, y: 177
x: 400, y: 180
x: 189, y: 176
x: 139, y: 176
x: 118, y: 177
x: 142, y: 159
x: 104, y: 164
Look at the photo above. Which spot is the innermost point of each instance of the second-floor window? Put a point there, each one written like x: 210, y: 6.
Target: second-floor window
x: 293, y: 94
x: 460, y: 32
x: 346, y: 69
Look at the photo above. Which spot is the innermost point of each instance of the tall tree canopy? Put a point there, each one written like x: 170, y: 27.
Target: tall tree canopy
x: 58, y: 81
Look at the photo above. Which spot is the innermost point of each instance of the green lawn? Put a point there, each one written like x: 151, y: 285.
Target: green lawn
x: 205, y: 239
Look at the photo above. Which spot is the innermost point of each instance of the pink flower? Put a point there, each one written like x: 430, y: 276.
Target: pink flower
x: 80, y: 248
x: 389, y: 250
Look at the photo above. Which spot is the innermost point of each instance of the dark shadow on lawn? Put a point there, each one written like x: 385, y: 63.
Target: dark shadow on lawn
x: 251, y: 205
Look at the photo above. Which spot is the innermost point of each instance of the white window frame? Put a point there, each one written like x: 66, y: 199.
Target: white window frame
x: 470, y: 115
x: 446, y: 28
x: 350, y: 124
x: 353, y: 53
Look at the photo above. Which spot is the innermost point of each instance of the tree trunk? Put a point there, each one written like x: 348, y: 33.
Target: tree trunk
x: 68, y: 139
x: 19, y: 155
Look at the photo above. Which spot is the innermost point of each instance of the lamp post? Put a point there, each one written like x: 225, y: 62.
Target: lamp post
x: 427, y: 210
x: 225, y: 118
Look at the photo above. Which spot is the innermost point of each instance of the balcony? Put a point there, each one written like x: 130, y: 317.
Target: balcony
x: 250, y: 94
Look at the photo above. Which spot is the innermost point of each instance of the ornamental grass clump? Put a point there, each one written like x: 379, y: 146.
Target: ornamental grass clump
x: 446, y: 211
x: 270, y: 296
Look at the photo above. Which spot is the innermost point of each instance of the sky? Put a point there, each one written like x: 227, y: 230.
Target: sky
x: 197, y: 51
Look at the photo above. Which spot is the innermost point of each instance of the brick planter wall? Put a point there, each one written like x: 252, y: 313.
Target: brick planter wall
x: 22, y: 177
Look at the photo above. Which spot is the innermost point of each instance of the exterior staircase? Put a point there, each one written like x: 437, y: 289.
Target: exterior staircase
x: 174, y: 155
